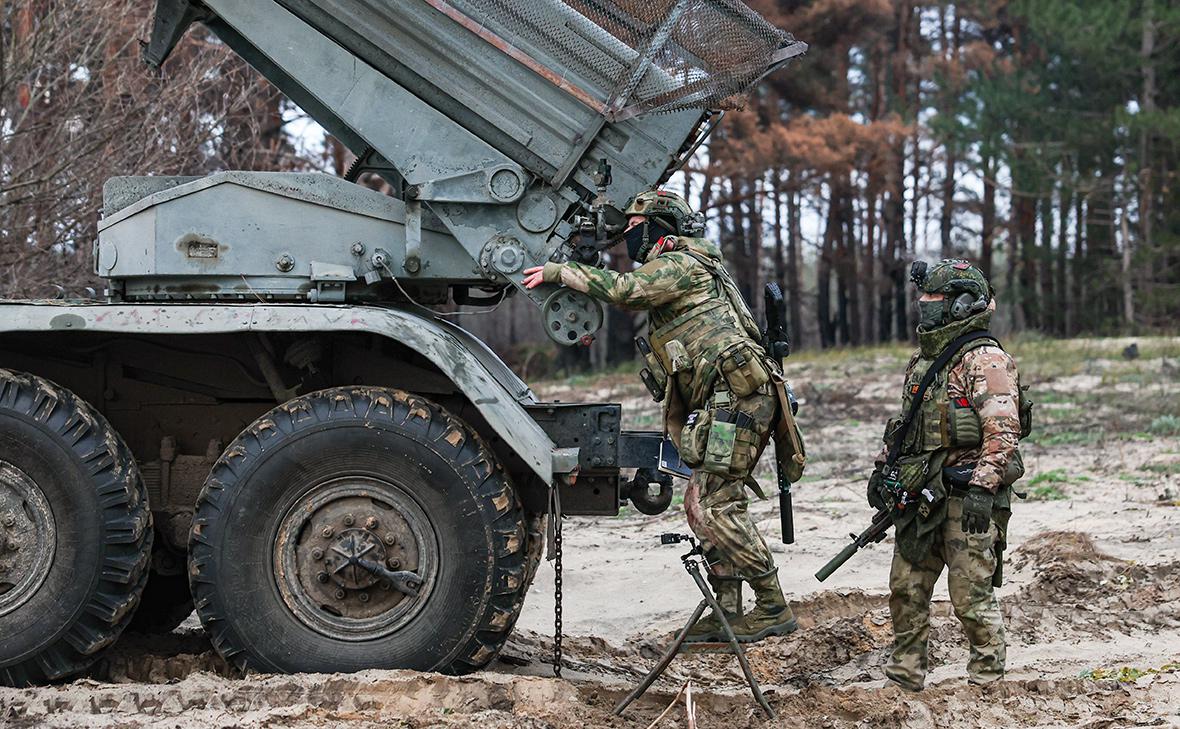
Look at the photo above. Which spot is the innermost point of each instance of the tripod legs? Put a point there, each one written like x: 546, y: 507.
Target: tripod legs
x: 676, y: 645
x: 665, y: 659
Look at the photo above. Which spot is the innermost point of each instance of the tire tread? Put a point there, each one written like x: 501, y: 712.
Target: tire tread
x: 431, y: 425
x: 126, y: 525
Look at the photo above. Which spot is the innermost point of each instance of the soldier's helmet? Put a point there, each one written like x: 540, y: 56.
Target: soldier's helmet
x: 670, y: 209
x: 966, y: 289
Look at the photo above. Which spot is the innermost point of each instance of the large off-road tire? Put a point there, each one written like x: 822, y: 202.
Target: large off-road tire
x: 371, y: 473
x: 75, y: 530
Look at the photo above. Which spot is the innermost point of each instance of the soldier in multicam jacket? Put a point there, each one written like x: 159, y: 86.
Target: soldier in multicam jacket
x: 957, y: 463
x: 708, y: 346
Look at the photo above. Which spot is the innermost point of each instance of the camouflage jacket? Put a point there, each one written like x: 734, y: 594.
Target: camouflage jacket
x: 685, y: 302
x: 985, y: 378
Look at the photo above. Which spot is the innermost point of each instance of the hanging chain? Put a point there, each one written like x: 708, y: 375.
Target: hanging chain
x: 557, y: 591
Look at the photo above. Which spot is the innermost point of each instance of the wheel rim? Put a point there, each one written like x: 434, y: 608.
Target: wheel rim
x: 28, y: 537
x: 361, y: 517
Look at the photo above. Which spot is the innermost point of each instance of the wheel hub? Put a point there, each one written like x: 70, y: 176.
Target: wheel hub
x: 28, y: 537
x: 328, y: 544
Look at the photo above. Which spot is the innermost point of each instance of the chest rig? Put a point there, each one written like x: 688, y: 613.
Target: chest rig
x: 708, y: 332
x: 941, y: 421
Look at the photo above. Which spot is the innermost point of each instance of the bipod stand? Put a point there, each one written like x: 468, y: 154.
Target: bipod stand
x: 693, y: 560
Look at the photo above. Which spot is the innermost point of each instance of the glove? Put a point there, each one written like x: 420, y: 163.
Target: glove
x: 876, y: 494
x: 977, y: 510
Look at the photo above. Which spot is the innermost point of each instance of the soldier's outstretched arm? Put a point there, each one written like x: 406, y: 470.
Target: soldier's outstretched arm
x: 994, y: 389
x: 654, y: 283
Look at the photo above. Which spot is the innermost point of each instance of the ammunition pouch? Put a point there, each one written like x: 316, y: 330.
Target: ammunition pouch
x: 720, y: 441
x: 694, y: 437
x: 963, y: 427
x: 742, y: 368
x: 678, y: 356
x: 733, y: 444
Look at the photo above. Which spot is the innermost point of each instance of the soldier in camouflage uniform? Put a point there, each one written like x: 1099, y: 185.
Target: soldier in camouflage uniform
x: 968, y: 423
x: 718, y: 379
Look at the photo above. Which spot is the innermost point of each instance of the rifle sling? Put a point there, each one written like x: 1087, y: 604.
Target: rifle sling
x: 943, y: 359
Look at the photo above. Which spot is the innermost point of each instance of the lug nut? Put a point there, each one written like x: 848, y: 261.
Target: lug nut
x: 12, y: 545
x: 371, y: 522
x: 390, y: 539
x: 364, y: 597
x: 317, y: 553
x: 340, y: 594
x: 322, y: 577
x: 394, y: 564
x: 327, y: 532
x: 385, y: 585
x: 348, y: 520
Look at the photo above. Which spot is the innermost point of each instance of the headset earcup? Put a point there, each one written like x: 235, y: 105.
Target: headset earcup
x: 964, y: 305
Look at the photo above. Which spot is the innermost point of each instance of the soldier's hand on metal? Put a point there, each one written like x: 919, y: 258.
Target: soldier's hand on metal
x: 977, y: 510
x: 875, y: 493
x: 534, y: 277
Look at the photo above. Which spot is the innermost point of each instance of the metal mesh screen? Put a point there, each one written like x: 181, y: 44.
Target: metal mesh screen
x: 641, y: 55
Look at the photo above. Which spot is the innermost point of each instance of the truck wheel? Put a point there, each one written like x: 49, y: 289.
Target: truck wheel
x: 75, y: 532
x: 309, y: 510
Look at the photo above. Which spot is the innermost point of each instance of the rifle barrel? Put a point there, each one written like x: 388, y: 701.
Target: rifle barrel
x: 786, y: 515
x: 837, y: 562
x: 882, y: 520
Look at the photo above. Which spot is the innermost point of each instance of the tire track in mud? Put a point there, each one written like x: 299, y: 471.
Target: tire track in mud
x: 815, y: 677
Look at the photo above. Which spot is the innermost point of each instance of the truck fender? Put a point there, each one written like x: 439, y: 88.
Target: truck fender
x: 476, y: 371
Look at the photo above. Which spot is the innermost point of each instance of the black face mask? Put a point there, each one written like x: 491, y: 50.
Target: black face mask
x: 637, y: 240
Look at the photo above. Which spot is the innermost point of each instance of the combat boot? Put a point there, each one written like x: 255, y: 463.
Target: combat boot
x: 728, y: 591
x: 771, y: 614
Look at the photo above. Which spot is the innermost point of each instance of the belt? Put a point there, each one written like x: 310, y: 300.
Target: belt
x: 722, y: 397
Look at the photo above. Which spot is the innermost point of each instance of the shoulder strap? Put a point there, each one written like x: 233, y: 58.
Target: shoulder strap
x: 727, y: 289
x: 916, y: 402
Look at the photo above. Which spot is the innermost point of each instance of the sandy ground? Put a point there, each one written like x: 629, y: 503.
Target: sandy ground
x: 1092, y: 593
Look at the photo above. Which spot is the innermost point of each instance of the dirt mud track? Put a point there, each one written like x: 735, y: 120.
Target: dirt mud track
x: 1091, y: 597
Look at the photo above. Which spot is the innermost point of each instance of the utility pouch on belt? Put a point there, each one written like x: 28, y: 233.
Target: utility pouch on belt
x: 743, y: 369
x: 732, y: 444
x: 694, y: 437
x: 912, y: 474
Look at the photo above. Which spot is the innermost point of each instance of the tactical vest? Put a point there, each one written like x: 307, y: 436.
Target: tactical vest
x: 709, y: 332
x: 943, y: 424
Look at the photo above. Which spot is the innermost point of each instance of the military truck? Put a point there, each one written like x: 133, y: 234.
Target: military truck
x: 263, y: 417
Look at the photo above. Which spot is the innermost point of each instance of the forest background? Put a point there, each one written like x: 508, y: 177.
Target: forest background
x: 1039, y: 138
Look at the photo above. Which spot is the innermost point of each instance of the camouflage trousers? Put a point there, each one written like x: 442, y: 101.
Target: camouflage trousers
x: 717, y: 506
x: 970, y: 562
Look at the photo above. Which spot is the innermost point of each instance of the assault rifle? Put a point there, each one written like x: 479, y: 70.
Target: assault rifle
x: 882, y: 520
x: 778, y: 346
x: 898, y: 496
